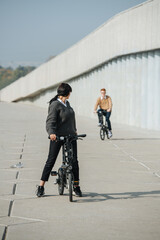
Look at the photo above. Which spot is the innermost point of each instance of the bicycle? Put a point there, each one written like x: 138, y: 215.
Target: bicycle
x: 65, y: 175
x: 104, y: 129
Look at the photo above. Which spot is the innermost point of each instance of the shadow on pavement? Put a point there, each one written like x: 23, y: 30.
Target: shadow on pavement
x: 98, y: 197
x: 132, y: 139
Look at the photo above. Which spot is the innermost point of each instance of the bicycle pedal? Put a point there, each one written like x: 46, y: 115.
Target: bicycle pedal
x: 54, y: 173
x: 57, y: 181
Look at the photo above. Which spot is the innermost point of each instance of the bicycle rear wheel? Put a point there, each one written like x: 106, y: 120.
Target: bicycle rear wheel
x: 107, y: 134
x: 70, y: 187
x: 60, y: 182
x: 102, y: 133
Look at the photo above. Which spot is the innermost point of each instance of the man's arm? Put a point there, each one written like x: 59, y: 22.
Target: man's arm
x: 110, y: 105
x: 96, y: 105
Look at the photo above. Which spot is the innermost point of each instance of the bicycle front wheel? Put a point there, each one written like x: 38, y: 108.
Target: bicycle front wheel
x: 60, y: 182
x: 70, y: 187
x: 102, y: 134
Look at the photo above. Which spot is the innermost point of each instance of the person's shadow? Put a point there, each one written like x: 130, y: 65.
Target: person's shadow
x: 134, y: 139
x: 99, y: 197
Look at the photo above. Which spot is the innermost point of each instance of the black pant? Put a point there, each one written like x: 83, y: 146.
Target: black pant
x: 102, y: 113
x: 52, y: 156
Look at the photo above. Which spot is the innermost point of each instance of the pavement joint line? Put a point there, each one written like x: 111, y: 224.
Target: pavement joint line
x: 21, y: 155
x: 30, y: 219
x: 17, y: 199
x: 10, y: 208
x: 143, y: 165
x: 9, y: 153
x: 19, y: 181
x: 115, y: 145
x: 8, y: 169
x: 157, y: 175
x: 1, y: 217
x: 15, y: 224
x: 5, y: 233
x: 14, y: 147
x: 127, y: 154
x: 14, y: 169
x: 6, y: 199
x: 29, y: 196
x: 14, y: 189
x: 17, y: 175
x: 29, y: 180
x: 133, y: 158
x: 3, y: 225
x: 23, y: 223
x: 6, y: 195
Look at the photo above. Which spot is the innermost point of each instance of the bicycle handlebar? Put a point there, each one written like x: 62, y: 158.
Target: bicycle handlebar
x: 81, y: 135
x: 74, y: 137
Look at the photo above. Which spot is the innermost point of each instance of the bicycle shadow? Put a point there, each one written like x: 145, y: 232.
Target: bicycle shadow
x: 133, y: 139
x: 99, y: 197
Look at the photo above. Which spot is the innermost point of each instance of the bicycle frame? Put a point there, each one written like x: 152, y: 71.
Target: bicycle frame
x: 65, y: 174
x: 67, y: 153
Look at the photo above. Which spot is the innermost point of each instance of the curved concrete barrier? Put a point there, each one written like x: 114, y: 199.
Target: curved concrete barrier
x: 122, y: 55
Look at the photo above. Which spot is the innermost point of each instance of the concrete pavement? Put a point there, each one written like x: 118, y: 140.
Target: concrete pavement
x: 120, y: 180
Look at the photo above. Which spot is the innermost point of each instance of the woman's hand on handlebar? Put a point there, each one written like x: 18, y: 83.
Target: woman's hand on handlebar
x: 52, y: 137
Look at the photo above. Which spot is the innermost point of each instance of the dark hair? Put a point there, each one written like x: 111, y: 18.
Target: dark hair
x: 63, y: 90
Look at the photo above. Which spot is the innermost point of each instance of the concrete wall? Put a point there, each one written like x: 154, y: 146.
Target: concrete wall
x: 122, y: 55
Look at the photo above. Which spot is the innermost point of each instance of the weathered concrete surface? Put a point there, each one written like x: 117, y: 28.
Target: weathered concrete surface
x: 120, y: 181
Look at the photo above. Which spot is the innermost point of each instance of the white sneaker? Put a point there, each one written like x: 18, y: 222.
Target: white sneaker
x: 109, y: 134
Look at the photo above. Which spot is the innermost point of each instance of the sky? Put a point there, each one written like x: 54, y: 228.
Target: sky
x: 31, y: 31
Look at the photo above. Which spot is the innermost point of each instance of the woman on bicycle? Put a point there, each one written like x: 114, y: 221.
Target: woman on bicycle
x: 60, y: 122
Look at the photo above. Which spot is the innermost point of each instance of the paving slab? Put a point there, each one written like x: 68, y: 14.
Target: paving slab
x: 2, y: 230
x: 30, y: 188
x: 6, y: 164
x: 30, y: 174
x: 7, y: 174
x: 4, y: 208
x: 6, y: 188
x: 11, y: 221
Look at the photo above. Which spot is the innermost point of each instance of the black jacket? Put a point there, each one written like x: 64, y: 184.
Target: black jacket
x: 60, y: 119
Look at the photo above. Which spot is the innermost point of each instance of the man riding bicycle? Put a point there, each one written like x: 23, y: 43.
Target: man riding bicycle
x: 105, y: 107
